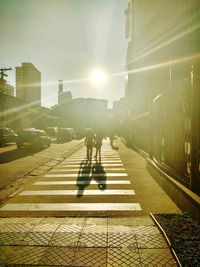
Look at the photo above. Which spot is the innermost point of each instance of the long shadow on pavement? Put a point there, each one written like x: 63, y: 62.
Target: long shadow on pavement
x: 84, y: 176
x: 15, y: 154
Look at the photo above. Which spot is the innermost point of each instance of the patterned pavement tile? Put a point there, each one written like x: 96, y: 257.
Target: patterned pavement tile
x: 120, y: 229
x: 132, y: 221
x: 3, y: 259
x: 14, y: 227
x: 65, y: 239
x: 23, y: 254
x: 22, y: 220
x: 45, y: 228
x: 123, y: 257
x: 157, y: 257
x: 95, y: 229
x: 69, y: 228
x: 90, y: 257
x: 73, y: 220
x: 146, y: 230
x: 51, y: 220
x: 11, y: 238
x: 57, y: 256
x: 96, y: 221
x: 122, y: 240
x: 37, y: 238
x: 93, y: 240
x: 151, y: 241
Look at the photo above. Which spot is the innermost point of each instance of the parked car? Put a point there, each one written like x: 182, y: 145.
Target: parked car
x: 65, y: 134
x: 33, y: 137
x: 52, y: 131
x: 7, y: 136
x: 79, y: 133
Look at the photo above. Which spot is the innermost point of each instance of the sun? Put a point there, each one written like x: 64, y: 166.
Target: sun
x: 97, y: 77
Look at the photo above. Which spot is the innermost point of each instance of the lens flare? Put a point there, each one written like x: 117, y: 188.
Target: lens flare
x: 97, y: 77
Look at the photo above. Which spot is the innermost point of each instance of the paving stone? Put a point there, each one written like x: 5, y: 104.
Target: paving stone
x: 65, y: 239
x: 157, y: 257
x: 51, y: 220
x: 122, y: 240
x: 123, y: 257
x: 45, y: 228
x: 57, y: 256
x: 74, y: 220
x: 120, y: 229
x: 16, y: 227
x: 11, y: 238
x: 69, y: 228
x: 92, y: 257
x: 93, y: 240
x: 151, y: 241
x: 144, y: 229
x: 37, y: 238
x: 23, y: 254
x: 96, y: 221
x: 95, y: 229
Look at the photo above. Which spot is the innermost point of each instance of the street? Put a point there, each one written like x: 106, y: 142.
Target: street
x: 78, y: 187
x: 16, y: 166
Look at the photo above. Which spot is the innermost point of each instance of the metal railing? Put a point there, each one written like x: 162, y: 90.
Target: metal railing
x: 170, y: 132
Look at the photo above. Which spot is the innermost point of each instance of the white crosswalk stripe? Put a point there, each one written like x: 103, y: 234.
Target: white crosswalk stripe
x: 77, y: 184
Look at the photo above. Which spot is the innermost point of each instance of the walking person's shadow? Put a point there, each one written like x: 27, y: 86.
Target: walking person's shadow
x: 84, y: 176
x: 96, y: 170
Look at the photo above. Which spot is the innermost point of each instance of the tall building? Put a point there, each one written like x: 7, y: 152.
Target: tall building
x: 163, y: 40
x: 28, y: 84
x: 63, y: 96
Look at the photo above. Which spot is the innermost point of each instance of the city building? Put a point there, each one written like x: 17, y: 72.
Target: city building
x: 163, y: 39
x: 162, y: 85
x: 63, y: 96
x: 28, y: 84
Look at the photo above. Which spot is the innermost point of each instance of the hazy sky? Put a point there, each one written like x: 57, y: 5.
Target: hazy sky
x: 65, y: 39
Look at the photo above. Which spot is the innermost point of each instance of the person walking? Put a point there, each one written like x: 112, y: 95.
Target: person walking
x: 89, y: 142
x: 98, y: 144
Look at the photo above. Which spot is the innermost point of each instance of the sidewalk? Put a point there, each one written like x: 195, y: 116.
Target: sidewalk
x: 132, y: 240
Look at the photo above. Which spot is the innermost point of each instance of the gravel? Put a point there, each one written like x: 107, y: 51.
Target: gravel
x: 183, y: 232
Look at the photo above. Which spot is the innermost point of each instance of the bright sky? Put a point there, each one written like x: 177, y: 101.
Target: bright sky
x: 66, y: 39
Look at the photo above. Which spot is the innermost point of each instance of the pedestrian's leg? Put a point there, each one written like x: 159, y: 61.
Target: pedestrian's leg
x: 88, y: 152
x: 91, y: 152
x: 100, y: 153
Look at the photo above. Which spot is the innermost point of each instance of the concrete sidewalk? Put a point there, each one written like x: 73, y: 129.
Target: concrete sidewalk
x: 94, y: 241
x: 133, y: 241
x: 149, y: 194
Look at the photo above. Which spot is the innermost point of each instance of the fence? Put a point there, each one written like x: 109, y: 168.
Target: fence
x: 170, y: 132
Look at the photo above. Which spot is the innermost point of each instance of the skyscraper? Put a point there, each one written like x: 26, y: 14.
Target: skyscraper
x: 28, y: 84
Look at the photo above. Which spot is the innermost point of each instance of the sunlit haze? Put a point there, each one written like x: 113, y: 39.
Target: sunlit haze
x: 98, y: 78
x: 65, y: 40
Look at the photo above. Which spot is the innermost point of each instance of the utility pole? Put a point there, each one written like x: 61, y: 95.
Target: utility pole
x: 2, y: 81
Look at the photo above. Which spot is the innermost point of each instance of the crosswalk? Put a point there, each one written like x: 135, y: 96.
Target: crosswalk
x: 78, y: 187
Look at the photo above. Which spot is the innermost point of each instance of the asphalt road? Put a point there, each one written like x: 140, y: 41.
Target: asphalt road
x: 15, y: 163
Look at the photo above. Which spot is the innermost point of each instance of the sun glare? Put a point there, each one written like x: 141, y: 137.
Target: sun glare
x: 97, y: 77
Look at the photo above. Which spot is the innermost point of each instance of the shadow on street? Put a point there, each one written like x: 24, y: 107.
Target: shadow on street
x: 84, y: 176
x: 87, y: 172
x: 15, y: 154
x: 101, y: 181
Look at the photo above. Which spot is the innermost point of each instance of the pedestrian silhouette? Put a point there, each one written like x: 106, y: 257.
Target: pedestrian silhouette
x: 98, y: 144
x: 89, y: 142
